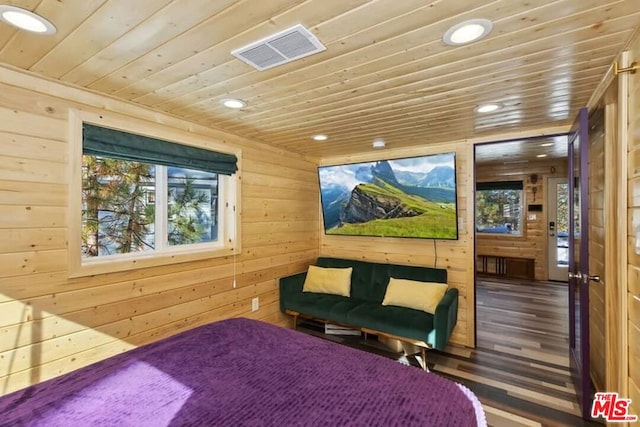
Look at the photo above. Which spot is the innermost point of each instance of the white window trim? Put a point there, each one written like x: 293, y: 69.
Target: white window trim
x: 229, y: 209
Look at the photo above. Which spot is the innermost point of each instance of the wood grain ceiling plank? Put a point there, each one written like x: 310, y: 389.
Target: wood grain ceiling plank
x: 309, y: 101
x: 232, y: 69
x: 7, y: 32
x: 358, y: 105
x: 426, y: 112
x: 25, y: 49
x: 346, y: 28
x: 416, y: 142
x: 130, y: 81
x: 338, y: 71
x: 411, y: 120
x: 458, y: 83
x: 383, y: 124
x: 106, y: 24
x: 342, y: 36
x: 386, y: 71
x: 450, y: 127
x: 436, y: 136
x: 353, y: 116
x: 415, y: 49
x: 472, y: 125
x: 190, y: 75
x: 349, y: 97
x: 160, y: 28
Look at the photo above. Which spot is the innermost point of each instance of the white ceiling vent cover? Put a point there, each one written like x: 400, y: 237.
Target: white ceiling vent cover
x: 286, y: 46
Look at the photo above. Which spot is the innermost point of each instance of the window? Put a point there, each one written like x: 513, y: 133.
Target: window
x: 141, y: 201
x: 499, y: 207
x: 121, y: 213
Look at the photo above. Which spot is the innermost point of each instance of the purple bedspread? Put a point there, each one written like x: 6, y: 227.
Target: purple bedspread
x: 243, y: 372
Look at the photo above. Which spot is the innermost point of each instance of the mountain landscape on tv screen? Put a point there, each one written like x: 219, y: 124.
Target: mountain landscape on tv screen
x: 413, y: 197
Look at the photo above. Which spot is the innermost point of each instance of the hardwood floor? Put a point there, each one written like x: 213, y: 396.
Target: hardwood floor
x: 520, y: 366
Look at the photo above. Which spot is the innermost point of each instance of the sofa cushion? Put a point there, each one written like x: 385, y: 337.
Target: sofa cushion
x: 312, y: 304
x: 336, y: 281
x: 369, y: 280
x: 423, y: 296
x: 364, y: 285
x: 400, y: 321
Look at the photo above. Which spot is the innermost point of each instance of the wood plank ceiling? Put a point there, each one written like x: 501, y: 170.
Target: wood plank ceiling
x: 386, y: 73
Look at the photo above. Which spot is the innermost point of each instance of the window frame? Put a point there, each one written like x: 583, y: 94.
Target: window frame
x: 522, y: 234
x: 229, y: 200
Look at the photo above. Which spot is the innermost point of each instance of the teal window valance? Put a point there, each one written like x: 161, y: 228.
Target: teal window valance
x: 499, y: 185
x: 99, y: 141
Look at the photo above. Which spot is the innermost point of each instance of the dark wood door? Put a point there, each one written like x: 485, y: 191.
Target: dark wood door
x: 579, y: 261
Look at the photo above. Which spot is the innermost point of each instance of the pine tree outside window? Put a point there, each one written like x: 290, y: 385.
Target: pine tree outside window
x: 499, y: 208
x: 143, y: 201
x: 120, y: 201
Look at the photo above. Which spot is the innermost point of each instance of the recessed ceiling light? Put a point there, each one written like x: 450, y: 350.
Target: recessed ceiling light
x: 26, y: 20
x: 378, y: 143
x: 320, y: 137
x: 541, y: 156
x: 234, y: 103
x: 546, y: 144
x: 467, y: 32
x: 488, y: 108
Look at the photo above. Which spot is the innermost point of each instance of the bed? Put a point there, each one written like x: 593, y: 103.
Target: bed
x: 244, y: 372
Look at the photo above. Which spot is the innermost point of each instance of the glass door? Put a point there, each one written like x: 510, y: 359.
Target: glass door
x: 558, y: 228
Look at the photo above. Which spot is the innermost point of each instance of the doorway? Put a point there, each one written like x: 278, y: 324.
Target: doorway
x: 512, y: 209
x: 558, y: 228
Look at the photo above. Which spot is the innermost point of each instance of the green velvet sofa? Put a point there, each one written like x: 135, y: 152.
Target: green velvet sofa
x: 363, y: 309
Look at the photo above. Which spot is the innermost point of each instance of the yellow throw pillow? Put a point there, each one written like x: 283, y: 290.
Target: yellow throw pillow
x: 423, y: 296
x: 322, y: 280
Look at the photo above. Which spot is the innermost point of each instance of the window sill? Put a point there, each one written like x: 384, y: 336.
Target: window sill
x: 126, y: 263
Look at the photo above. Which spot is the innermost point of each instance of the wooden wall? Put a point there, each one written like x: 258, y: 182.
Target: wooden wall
x: 633, y: 203
x: 454, y: 255
x: 533, y: 243
x: 50, y: 324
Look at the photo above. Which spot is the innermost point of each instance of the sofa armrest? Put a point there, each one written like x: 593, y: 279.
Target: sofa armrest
x: 445, y: 318
x: 289, y: 286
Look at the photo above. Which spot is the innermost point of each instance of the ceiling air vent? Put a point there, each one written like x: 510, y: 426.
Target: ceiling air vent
x: 286, y: 46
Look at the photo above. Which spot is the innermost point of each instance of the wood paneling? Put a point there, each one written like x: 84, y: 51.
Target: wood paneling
x: 385, y: 73
x: 533, y: 243
x: 631, y: 101
x: 453, y: 255
x: 50, y: 324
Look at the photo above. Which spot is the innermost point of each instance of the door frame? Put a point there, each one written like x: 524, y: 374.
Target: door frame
x: 472, y: 205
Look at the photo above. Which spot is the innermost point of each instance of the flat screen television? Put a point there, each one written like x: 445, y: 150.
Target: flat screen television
x: 408, y: 197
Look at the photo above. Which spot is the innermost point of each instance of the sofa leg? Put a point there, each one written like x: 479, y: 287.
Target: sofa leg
x: 423, y: 354
x: 295, y: 322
